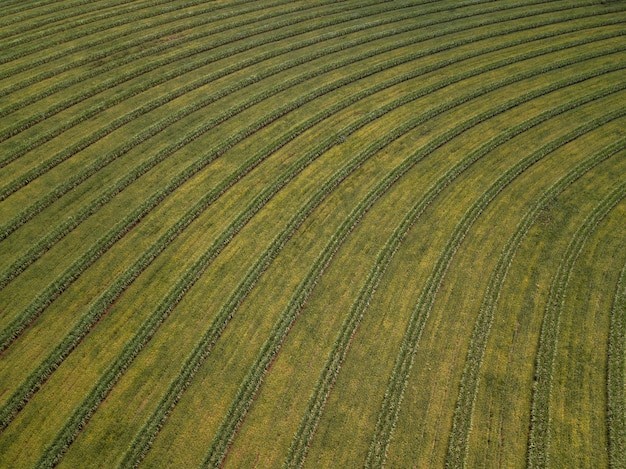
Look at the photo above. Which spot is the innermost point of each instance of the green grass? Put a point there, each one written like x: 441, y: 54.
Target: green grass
x: 311, y: 234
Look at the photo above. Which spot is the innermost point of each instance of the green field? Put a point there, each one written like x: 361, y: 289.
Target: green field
x: 321, y: 234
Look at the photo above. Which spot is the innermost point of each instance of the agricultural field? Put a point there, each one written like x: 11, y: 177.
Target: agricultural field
x: 312, y: 233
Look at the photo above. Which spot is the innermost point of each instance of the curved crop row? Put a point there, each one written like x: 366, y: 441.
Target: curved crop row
x: 32, y: 384
x: 20, y: 264
x: 157, y: 211
x: 539, y: 433
x: 162, y: 78
x: 393, y: 396
x: 616, y: 412
x: 19, y: 6
x: 68, y: 24
x: 132, y: 349
x: 161, y: 46
x: 41, y: 9
x: 129, y: 58
x: 91, y: 112
x: 37, y: 207
x: 11, y: 226
x: 56, y: 289
x: 191, y: 66
x: 143, y: 440
x: 63, y: 436
x: 305, y: 431
x: 66, y: 11
x: 240, y: 31
x: 147, y: 84
x: 459, y: 435
x: 117, y: 231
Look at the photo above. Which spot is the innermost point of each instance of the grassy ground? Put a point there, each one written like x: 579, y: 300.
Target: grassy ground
x: 310, y: 233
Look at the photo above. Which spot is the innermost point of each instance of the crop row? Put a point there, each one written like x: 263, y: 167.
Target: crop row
x: 118, y: 23
x: 393, y: 396
x: 145, y: 85
x: 89, y: 405
x: 164, y: 123
x: 59, y: 191
x: 155, y: 9
x: 79, y: 45
x: 459, y: 435
x: 102, y: 52
x: 130, y: 220
x: 91, y: 112
x: 119, y: 229
x: 19, y: 6
x: 616, y: 412
x: 20, y: 397
x: 105, y: 85
x: 166, y: 407
x: 44, y: 244
x: 56, y: 288
x: 67, y: 24
x: 539, y: 432
x: 182, y: 113
x: 42, y: 138
x: 142, y: 442
x: 170, y: 399
x: 146, y: 108
x: 241, y: 27
x: 77, y: 8
x: 41, y: 9
x: 378, y: 269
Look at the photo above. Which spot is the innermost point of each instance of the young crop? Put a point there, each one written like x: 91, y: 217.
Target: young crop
x: 239, y: 67
x: 539, y: 433
x: 68, y: 24
x: 393, y: 396
x: 616, y: 412
x: 301, y: 441
x: 66, y: 432
x: 459, y: 435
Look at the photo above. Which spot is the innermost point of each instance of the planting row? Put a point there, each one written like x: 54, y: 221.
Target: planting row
x: 191, y: 66
x: 539, y: 435
x: 24, y: 261
x: 146, y: 68
x: 186, y: 282
x: 97, y: 29
x: 46, y: 243
x: 247, y: 391
x: 305, y: 432
x: 125, y: 279
x: 32, y: 30
x: 130, y: 178
x: 459, y: 435
x: 598, y: 55
x: 393, y: 396
x: 119, y: 230
x: 616, y: 376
